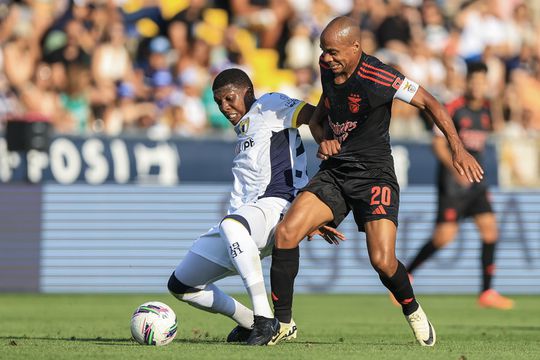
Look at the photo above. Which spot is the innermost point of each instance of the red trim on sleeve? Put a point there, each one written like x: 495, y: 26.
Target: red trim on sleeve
x: 373, y: 79
x: 378, y: 69
x: 453, y: 106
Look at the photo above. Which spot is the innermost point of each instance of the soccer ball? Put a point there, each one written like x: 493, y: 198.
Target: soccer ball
x: 153, y: 323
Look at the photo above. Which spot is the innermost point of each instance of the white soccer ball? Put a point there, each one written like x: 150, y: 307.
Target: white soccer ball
x: 153, y: 323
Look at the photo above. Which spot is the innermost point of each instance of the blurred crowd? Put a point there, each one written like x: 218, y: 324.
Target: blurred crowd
x: 125, y: 67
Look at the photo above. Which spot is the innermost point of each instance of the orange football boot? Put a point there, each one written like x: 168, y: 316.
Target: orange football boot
x: 492, y: 299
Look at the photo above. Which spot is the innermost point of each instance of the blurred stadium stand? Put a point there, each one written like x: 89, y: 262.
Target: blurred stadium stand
x: 138, y: 162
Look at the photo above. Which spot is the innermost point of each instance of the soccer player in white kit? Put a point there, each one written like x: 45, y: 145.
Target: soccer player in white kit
x: 269, y: 169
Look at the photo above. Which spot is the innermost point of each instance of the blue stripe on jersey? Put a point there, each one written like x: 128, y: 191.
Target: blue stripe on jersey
x: 281, y: 181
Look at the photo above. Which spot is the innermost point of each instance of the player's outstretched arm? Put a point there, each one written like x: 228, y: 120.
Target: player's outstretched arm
x: 464, y: 162
x: 305, y: 115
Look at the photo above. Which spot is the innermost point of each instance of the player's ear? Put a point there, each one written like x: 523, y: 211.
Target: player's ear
x: 356, y: 46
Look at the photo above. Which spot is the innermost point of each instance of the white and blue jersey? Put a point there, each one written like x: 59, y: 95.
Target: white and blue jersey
x: 270, y: 157
x: 269, y: 169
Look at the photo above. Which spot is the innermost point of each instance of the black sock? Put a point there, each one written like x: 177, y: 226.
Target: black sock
x: 400, y: 286
x: 282, y: 274
x: 427, y: 250
x: 488, y: 264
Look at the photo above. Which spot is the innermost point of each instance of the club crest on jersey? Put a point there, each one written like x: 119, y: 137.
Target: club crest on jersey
x: 243, y: 127
x: 354, y: 102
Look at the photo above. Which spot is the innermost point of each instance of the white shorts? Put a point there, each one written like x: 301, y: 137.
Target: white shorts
x: 262, y: 217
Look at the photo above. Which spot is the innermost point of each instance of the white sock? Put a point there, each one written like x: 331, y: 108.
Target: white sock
x: 213, y: 300
x: 244, y: 255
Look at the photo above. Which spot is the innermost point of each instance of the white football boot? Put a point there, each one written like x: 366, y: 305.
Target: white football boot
x: 421, y: 327
x: 287, y: 331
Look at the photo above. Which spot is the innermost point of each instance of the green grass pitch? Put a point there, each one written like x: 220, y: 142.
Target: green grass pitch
x: 36, y: 326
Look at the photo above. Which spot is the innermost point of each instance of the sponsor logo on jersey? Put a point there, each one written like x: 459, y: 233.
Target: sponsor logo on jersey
x: 341, y: 131
x: 474, y: 140
x: 354, y: 102
x: 244, y: 144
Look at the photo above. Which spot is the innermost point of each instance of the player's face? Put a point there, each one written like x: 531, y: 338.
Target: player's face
x: 477, y: 86
x: 230, y: 100
x: 341, y: 57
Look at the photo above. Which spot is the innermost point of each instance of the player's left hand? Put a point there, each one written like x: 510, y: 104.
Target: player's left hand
x: 329, y: 234
x: 467, y: 165
x: 328, y: 148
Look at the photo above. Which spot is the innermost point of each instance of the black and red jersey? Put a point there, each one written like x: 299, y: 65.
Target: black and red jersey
x: 359, y: 110
x: 473, y: 125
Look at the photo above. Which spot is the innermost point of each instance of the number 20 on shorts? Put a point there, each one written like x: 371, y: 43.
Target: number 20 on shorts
x: 380, y: 195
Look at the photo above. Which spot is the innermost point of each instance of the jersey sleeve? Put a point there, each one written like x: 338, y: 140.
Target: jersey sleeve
x: 285, y: 110
x: 382, y: 81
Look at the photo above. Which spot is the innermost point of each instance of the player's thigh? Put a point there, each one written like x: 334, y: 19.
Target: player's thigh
x: 197, y: 271
x: 262, y: 218
x: 321, y: 201
x: 487, y: 226
x: 213, y: 248
x: 307, y: 213
x: 444, y: 233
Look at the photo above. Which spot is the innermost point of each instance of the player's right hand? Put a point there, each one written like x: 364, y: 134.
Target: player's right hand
x: 467, y: 165
x: 328, y: 148
x: 461, y: 179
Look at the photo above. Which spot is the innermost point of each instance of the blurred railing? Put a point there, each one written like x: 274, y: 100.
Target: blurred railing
x: 129, y: 238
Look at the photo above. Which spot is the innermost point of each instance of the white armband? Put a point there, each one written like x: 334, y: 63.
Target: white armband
x: 406, y: 91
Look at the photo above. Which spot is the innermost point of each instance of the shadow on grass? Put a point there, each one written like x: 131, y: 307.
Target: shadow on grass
x: 73, y: 338
x: 108, y: 341
x: 497, y: 327
x: 193, y: 341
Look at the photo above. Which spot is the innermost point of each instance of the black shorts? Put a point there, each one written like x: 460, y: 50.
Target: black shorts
x: 371, y: 194
x: 469, y: 203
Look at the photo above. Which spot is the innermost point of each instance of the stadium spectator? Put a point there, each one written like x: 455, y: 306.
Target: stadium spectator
x: 458, y: 198
x: 216, y: 34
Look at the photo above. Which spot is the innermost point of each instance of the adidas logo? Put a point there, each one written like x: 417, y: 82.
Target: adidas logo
x: 379, y: 210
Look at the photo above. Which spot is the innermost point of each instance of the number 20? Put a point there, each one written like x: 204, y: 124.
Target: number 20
x: 384, y: 193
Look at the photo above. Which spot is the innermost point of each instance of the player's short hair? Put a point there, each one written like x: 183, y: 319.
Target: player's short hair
x: 476, y: 67
x: 232, y: 76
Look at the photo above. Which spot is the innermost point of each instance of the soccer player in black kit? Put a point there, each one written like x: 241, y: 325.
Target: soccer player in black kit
x: 458, y: 199
x: 357, y: 172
